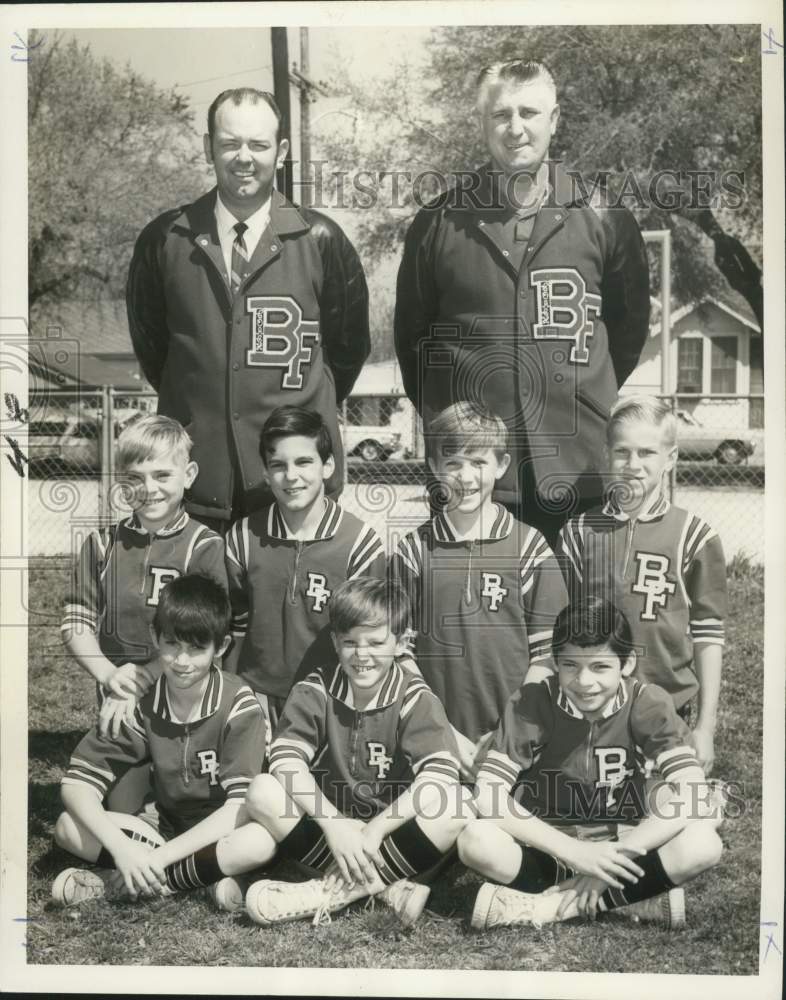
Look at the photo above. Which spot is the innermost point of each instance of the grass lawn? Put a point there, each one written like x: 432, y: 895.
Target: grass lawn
x: 723, y: 907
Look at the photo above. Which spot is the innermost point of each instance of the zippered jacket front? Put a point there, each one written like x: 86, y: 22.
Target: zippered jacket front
x: 280, y: 589
x: 566, y: 769
x: 296, y: 332
x: 363, y: 759
x: 197, y: 765
x: 120, y: 572
x: 666, y: 571
x: 482, y: 611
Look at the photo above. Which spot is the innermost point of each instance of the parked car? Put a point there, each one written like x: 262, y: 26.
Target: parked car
x: 371, y: 443
x: 698, y: 442
x: 71, y: 441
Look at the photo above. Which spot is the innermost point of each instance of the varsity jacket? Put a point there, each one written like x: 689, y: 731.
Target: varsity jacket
x: 363, y: 759
x: 120, y: 572
x: 197, y: 765
x: 280, y: 587
x: 545, y: 346
x: 483, y: 610
x: 667, y: 573
x: 567, y: 769
x: 295, y: 332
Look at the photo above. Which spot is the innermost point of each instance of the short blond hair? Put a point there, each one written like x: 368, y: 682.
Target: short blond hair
x: 512, y: 71
x: 150, y: 436
x: 466, y: 426
x: 647, y: 409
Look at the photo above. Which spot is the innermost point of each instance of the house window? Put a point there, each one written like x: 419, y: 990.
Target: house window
x: 723, y: 364
x: 689, y: 365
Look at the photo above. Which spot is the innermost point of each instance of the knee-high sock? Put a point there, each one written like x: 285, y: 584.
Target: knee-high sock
x: 407, y: 852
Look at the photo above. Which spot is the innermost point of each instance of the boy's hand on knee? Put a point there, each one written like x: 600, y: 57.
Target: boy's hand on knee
x: 138, y: 870
x: 607, y: 861
x: 345, y: 839
x: 372, y: 840
x: 704, y: 741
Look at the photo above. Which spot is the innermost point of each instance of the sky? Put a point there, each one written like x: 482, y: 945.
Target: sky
x: 201, y: 62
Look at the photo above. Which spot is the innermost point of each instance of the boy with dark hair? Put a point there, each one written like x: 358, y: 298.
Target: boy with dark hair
x: 484, y: 588
x: 204, y: 734
x: 575, y: 750
x: 123, y: 569
x: 285, y: 561
x: 363, y: 783
x: 663, y: 566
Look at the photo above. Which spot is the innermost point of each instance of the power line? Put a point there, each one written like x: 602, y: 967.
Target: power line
x: 212, y: 79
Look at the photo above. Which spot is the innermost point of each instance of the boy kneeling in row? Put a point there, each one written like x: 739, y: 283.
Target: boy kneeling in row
x: 572, y: 749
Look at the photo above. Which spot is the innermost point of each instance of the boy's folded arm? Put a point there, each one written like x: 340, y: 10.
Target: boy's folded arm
x: 708, y: 660
x: 299, y: 784
x: 86, y: 806
x: 674, y: 809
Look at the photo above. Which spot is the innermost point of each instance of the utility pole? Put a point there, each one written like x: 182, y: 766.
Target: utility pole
x: 308, y: 88
x: 305, y: 124
x: 280, y: 47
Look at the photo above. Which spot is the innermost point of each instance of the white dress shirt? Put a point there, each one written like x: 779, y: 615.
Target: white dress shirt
x: 226, y: 222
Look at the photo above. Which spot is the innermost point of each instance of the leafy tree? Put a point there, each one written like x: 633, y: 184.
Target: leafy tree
x: 638, y: 103
x: 107, y: 151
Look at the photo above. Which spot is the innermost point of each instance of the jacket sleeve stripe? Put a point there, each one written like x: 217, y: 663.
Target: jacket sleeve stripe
x: 366, y: 549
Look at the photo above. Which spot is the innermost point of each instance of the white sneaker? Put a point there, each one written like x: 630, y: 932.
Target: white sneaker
x: 269, y: 902
x: 227, y: 895
x: 667, y: 909
x: 500, y: 906
x: 406, y: 899
x: 75, y: 885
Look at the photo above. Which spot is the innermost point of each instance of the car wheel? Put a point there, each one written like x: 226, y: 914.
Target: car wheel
x: 730, y: 453
x: 369, y: 451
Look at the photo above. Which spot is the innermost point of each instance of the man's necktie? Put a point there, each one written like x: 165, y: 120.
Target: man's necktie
x: 239, y: 257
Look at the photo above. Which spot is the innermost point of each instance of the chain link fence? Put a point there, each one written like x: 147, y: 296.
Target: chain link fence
x: 720, y: 475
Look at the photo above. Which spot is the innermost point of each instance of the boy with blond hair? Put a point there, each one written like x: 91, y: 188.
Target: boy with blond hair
x: 484, y: 588
x: 661, y: 565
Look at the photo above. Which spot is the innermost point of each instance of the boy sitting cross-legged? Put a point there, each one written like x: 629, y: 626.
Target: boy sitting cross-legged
x: 364, y: 778
x: 284, y: 562
x: 572, y: 750
x: 484, y: 588
x: 662, y: 566
x: 203, y: 732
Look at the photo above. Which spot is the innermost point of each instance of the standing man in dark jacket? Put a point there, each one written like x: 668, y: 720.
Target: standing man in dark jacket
x: 520, y: 294
x: 241, y: 302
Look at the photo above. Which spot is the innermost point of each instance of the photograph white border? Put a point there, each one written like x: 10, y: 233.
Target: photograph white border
x: 16, y: 974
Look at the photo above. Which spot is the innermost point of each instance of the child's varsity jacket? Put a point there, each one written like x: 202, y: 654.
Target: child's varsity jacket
x: 363, y: 759
x: 119, y: 575
x: 483, y: 611
x: 280, y: 588
x: 566, y: 769
x: 665, y: 571
x: 197, y: 765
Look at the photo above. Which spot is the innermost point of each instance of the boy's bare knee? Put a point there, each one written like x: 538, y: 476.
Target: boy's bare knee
x: 472, y: 843
x: 706, y: 845
x: 64, y: 831
x: 263, y: 793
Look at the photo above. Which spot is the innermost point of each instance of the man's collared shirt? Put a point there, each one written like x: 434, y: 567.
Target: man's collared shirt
x: 226, y: 222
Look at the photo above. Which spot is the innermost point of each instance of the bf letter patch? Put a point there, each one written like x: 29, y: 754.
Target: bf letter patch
x: 161, y: 577
x: 493, y: 590
x: 208, y: 764
x: 317, y: 588
x: 652, y: 583
x: 378, y: 758
x: 565, y: 310
x: 280, y: 337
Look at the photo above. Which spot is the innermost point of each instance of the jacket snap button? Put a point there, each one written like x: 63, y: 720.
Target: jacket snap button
x: 274, y: 247
x: 235, y: 367
x: 506, y: 253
